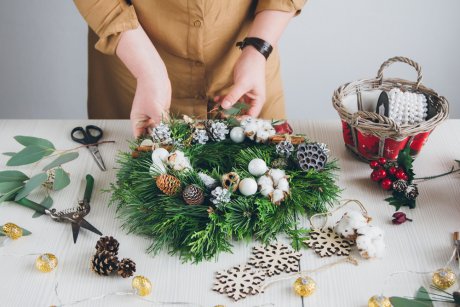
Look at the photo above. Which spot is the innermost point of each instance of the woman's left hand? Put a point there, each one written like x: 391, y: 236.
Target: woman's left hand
x: 248, y: 82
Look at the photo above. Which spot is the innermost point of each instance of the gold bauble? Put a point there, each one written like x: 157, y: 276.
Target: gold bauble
x: 379, y: 301
x: 304, y: 286
x: 46, y: 263
x: 12, y: 231
x: 142, y: 285
x: 444, y: 278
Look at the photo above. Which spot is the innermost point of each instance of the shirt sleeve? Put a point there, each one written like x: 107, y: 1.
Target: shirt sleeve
x: 108, y: 19
x: 281, y: 5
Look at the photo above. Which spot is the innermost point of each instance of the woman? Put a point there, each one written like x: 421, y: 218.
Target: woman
x: 173, y: 55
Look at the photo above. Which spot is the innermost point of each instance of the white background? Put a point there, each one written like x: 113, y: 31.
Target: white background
x: 43, y: 55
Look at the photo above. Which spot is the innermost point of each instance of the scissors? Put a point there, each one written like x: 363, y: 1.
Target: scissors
x: 89, y: 137
x: 75, y: 216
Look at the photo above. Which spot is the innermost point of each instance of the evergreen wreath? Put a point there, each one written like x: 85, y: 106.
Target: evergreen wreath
x: 199, y: 154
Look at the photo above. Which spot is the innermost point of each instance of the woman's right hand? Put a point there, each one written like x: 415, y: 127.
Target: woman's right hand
x: 153, y: 90
x: 151, y: 103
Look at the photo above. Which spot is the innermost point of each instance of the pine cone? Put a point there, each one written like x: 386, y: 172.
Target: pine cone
x: 311, y: 156
x: 280, y: 163
x: 126, y: 268
x: 107, y: 243
x: 193, y: 195
x: 216, y: 130
x: 411, y: 192
x: 168, y: 184
x: 400, y: 185
x: 284, y: 149
x: 104, y: 263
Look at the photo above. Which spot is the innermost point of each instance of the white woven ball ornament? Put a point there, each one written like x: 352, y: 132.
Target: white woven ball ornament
x: 257, y: 167
x: 237, y: 135
x: 248, y: 186
x: 160, y: 153
x: 406, y: 107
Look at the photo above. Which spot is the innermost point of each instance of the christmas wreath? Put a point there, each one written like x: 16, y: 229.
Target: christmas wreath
x: 193, y: 186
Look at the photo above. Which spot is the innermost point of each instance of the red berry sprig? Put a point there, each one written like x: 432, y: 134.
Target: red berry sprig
x: 385, y: 174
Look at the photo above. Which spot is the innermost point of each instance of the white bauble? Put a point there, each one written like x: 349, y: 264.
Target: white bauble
x: 257, y: 167
x: 160, y: 153
x: 248, y: 186
x: 237, y: 135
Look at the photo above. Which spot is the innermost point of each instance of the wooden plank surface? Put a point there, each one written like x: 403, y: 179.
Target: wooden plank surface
x: 423, y: 245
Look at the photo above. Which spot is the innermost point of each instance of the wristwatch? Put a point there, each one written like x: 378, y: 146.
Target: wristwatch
x: 259, y: 44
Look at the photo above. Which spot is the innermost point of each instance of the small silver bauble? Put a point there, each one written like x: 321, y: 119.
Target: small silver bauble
x: 237, y: 135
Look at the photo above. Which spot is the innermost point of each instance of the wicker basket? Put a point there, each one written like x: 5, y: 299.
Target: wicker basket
x: 370, y: 135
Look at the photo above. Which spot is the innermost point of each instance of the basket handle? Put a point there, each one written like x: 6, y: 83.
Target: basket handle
x: 401, y: 59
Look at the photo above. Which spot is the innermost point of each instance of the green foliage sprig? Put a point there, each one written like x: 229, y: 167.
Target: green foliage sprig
x: 15, y: 185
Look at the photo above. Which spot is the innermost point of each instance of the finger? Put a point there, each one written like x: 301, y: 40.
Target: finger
x: 217, y: 98
x: 256, y: 108
x: 140, y: 126
x: 236, y: 92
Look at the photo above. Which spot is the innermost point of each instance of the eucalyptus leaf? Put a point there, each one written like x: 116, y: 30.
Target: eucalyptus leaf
x: 10, y: 195
x: 422, y: 299
x: 47, y: 202
x: 9, y: 154
x: 405, y: 302
x: 236, y: 109
x: 31, y: 185
x: 9, y: 176
x: 61, y: 179
x: 25, y: 232
x: 29, y: 154
x: 423, y: 295
x: 67, y: 157
x: 31, y: 140
x: 5, y: 187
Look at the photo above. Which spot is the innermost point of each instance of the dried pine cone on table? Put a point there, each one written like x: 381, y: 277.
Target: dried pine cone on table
x: 168, y: 184
x: 193, y: 195
x: 104, y: 263
x: 107, y: 243
x: 126, y: 268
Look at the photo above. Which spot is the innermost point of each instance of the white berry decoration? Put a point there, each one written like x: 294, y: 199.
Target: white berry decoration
x: 248, y: 186
x: 257, y: 167
x: 237, y: 135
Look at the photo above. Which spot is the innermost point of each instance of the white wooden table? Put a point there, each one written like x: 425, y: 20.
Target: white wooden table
x: 422, y: 245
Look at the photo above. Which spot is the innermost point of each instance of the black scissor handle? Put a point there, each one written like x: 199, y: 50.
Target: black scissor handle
x: 91, y: 135
x: 94, y: 133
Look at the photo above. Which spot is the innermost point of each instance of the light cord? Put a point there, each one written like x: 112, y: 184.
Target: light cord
x: 348, y: 259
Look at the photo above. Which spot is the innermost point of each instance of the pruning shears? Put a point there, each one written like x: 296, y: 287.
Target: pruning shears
x: 75, y: 216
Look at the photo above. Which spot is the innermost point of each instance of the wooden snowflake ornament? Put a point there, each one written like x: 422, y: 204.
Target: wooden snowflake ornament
x: 239, y: 281
x: 327, y: 243
x: 275, y: 258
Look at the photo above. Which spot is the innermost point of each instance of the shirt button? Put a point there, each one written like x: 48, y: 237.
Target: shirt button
x: 197, y: 23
